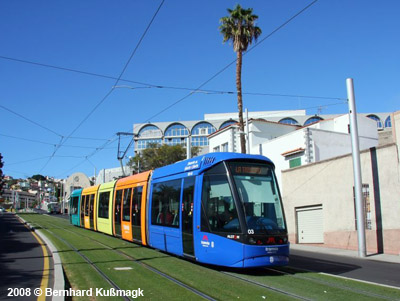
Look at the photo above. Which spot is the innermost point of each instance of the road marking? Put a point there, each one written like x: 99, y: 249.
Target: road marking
x: 346, y: 278
x: 123, y: 268
x: 45, y: 277
x: 359, y: 280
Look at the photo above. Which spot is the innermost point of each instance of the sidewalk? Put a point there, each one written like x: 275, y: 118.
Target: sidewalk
x: 343, y: 252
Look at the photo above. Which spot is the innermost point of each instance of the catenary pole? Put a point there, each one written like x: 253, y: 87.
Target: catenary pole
x: 188, y: 148
x: 247, y: 132
x: 356, y: 169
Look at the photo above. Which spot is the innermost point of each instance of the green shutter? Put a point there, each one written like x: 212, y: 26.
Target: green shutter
x: 295, y: 162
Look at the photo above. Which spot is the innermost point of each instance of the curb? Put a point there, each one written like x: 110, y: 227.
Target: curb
x: 389, y: 258
x: 59, y: 281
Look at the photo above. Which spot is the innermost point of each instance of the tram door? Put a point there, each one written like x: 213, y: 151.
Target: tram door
x: 187, y: 216
x: 126, y: 214
x: 87, y: 208
x: 83, y: 199
x: 117, y: 213
x: 91, y: 211
x: 136, y: 213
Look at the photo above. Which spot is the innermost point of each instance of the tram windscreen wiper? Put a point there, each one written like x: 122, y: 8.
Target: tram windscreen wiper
x: 261, y: 225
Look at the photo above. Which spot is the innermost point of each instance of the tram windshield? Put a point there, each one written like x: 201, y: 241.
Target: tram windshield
x: 258, y: 192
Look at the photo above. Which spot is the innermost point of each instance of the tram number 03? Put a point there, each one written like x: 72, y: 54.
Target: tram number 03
x: 19, y: 292
x: 250, y: 231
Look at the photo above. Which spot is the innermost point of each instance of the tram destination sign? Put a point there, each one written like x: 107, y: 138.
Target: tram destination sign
x: 249, y: 169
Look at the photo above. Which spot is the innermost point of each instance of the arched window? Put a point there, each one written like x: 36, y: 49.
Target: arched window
x: 313, y: 119
x: 226, y: 123
x: 288, y: 120
x: 150, y: 131
x: 203, y: 129
x: 388, y: 122
x: 148, y: 134
x: 377, y: 119
x: 176, y: 130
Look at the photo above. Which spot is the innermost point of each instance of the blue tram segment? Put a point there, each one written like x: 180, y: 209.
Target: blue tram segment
x: 75, y: 200
x: 237, y: 217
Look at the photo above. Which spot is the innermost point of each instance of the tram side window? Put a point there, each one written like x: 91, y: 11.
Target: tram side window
x: 136, y: 205
x: 91, y: 203
x: 118, y: 198
x: 87, y: 205
x: 126, y: 217
x: 104, y: 199
x: 74, y: 204
x: 83, y: 200
x: 219, y: 212
x: 165, y: 203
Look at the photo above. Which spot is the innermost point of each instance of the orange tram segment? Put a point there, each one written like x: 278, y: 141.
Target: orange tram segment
x: 130, y: 207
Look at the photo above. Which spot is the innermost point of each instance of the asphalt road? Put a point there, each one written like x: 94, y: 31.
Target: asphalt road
x: 21, y: 258
x: 362, y: 269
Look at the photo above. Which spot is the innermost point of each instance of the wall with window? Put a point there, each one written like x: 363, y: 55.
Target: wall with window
x: 330, y: 183
x: 227, y: 139
x: 320, y: 141
x: 273, y: 149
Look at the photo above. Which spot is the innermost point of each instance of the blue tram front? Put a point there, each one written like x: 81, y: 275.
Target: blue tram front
x: 221, y: 208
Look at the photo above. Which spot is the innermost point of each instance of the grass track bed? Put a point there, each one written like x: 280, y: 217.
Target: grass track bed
x: 207, y: 280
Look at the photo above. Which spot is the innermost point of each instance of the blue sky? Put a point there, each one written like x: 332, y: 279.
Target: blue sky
x: 312, y: 55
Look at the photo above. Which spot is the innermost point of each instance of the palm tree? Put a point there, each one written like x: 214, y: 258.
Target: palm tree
x: 239, y: 27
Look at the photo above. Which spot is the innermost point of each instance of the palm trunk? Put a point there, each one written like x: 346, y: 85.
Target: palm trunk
x: 240, y: 100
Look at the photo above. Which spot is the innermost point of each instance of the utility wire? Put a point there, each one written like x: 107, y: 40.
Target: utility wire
x: 53, y: 144
x: 86, y: 158
x: 112, y: 89
x: 26, y: 161
x: 140, y: 41
x: 281, y: 26
x: 157, y: 86
x: 25, y: 139
x: 85, y: 138
x: 120, y: 75
x: 233, y: 62
x: 199, y: 87
x: 39, y: 125
x: 31, y: 121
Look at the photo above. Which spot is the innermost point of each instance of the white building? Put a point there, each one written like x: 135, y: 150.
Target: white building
x: 319, y: 199
x: 75, y: 181
x: 111, y: 174
x: 178, y: 132
x: 290, y: 146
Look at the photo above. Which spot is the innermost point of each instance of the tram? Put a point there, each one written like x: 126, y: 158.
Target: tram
x: 220, y: 208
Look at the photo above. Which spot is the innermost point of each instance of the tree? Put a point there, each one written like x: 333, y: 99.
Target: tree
x: 239, y: 27
x: 155, y: 156
x: 39, y: 178
x: 1, y: 174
